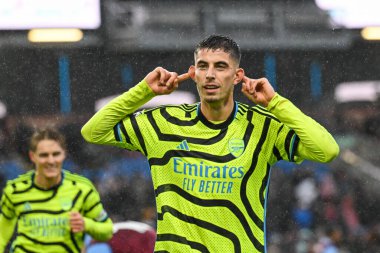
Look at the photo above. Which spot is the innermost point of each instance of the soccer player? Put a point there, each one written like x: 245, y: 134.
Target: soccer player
x: 51, y: 207
x: 210, y: 161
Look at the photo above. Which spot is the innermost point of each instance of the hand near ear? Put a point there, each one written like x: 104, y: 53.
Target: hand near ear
x: 259, y: 91
x: 190, y: 74
x: 162, y: 81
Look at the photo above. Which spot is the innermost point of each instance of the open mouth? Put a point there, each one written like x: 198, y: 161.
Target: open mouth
x: 211, y: 87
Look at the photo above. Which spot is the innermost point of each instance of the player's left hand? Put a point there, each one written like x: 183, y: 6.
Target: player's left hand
x: 76, y: 222
x: 259, y: 91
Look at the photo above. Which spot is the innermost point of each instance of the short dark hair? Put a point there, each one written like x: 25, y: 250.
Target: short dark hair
x: 223, y: 42
x: 48, y: 133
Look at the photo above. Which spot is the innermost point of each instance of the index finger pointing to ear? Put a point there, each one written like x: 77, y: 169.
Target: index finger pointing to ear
x: 250, y: 84
x: 246, y: 79
x: 183, y: 77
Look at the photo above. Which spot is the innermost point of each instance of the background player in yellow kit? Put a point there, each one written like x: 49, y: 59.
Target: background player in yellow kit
x: 52, y: 207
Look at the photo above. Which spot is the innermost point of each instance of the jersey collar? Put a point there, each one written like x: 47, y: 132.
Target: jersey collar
x: 51, y: 188
x: 222, y: 125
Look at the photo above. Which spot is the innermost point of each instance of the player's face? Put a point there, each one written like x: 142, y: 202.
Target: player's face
x: 48, y: 159
x: 216, y: 74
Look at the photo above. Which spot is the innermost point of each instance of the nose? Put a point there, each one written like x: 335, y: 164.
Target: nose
x: 50, y: 159
x: 210, y: 73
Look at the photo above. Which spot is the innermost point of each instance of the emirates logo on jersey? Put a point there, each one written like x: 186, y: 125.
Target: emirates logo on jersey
x: 236, y: 147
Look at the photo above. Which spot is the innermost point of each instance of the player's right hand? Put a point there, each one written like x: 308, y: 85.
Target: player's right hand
x: 77, y: 223
x: 162, y: 81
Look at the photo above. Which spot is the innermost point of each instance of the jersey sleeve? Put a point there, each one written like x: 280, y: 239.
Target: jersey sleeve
x: 107, y: 126
x: 8, y: 220
x: 97, y: 222
x: 7, y: 208
x: 286, y: 145
x: 311, y: 140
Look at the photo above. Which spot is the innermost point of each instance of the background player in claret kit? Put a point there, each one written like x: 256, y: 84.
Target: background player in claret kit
x: 210, y: 161
x: 51, y: 207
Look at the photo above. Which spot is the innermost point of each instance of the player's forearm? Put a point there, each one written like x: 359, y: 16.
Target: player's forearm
x: 6, y: 231
x: 100, y: 231
x: 106, y: 118
x: 316, y: 143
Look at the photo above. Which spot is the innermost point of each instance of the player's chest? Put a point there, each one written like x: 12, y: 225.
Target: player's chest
x: 36, y: 201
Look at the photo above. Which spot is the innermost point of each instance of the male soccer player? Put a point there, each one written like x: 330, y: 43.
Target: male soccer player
x: 210, y: 162
x: 52, y: 208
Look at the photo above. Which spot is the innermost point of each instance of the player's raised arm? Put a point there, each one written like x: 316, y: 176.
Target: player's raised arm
x: 316, y: 143
x: 99, y: 129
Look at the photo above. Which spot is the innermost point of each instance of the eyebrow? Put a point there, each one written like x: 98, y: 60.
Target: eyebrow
x: 47, y: 153
x: 223, y: 63
x: 216, y: 63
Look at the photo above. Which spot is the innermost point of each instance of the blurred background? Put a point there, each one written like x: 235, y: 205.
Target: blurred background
x: 60, y: 61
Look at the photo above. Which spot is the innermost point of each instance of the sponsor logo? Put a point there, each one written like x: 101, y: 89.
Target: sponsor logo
x: 204, y: 177
x: 47, y: 227
x: 203, y: 169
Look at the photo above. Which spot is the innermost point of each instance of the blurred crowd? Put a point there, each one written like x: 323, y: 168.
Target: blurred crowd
x: 312, y: 208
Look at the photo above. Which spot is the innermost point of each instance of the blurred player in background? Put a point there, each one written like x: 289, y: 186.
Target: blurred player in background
x: 210, y: 161
x: 51, y: 207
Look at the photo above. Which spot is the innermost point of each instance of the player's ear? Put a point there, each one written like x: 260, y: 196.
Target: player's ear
x: 192, y: 72
x: 239, y: 75
x: 31, y: 156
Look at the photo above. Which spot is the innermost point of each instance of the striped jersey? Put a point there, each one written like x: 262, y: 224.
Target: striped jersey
x: 43, y: 215
x: 210, y: 179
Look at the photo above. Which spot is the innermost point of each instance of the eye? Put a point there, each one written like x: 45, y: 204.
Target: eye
x: 56, y: 153
x: 221, y: 67
x: 202, y: 66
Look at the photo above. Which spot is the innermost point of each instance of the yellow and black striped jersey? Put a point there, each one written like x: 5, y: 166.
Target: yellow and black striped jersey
x: 210, y: 178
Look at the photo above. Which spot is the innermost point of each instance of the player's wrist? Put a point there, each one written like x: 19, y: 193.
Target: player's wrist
x: 88, y: 224
x: 273, y: 101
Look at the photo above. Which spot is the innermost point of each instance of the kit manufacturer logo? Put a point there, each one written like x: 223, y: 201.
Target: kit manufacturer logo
x: 183, y: 146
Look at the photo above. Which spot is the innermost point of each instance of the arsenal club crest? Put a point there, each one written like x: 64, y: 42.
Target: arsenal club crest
x: 236, y: 147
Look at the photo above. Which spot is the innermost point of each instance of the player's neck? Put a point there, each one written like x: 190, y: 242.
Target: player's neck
x: 217, y: 111
x: 47, y: 183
